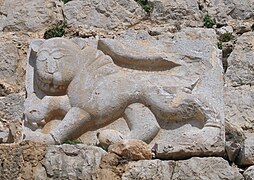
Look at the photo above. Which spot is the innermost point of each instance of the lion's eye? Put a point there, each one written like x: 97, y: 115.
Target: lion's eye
x: 57, y: 55
x: 41, y: 58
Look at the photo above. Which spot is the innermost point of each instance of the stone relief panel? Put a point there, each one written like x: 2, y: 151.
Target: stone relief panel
x: 166, y: 93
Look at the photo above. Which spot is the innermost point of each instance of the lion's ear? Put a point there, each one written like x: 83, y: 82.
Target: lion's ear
x: 80, y: 42
x: 35, y: 44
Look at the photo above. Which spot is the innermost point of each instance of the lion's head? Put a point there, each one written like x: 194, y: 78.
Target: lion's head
x: 57, y: 61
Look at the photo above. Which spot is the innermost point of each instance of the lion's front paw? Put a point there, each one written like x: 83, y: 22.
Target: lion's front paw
x: 39, y: 137
x: 35, y: 117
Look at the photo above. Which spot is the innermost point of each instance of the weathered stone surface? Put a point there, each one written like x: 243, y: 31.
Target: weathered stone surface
x: 181, y: 138
x: 5, y: 134
x: 234, y: 133
x: 224, y: 29
x: 240, y: 9
x: 241, y: 26
x: 5, y: 89
x: 13, y: 54
x: 108, y: 14
x: 234, y: 141
x: 205, y: 168
x: 18, y: 160
x: 194, y: 168
x: 26, y: 15
x: 39, y: 172
x: 8, y: 59
x: 179, y: 83
x: 187, y: 143
x: 246, y: 156
x: 232, y: 150
x: 28, y: 161
x: 32, y: 154
x: 249, y: 173
x: 176, y: 10
x: 224, y: 9
x: 11, y: 161
x: 11, y: 112
x: 91, y: 137
x: 108, y: 137
x: 131, y: 149
x: 239, y: 94
x: 12, y: 107
x: 239, y: 103
x: 241, y: 63
x: 147, y: 122
x: 210, y: 139
x: 153, y: 169
x: 112, y: 167
x: 71, y: 162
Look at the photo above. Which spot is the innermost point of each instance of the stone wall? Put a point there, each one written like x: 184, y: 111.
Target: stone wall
x: 21, y: 21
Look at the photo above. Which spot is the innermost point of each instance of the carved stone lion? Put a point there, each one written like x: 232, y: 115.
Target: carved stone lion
x: 88, y: 89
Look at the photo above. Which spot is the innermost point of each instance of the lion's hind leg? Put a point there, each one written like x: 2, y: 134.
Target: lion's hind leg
x: 142, y: 122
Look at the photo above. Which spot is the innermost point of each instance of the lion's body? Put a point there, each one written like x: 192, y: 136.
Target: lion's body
x: 97, y: 92
x: 107, y: 90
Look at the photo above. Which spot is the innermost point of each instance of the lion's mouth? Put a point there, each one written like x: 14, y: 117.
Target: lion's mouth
x: 50, y: 87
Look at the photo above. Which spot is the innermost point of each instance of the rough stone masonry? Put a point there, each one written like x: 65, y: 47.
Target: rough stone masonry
x: 143, y: 90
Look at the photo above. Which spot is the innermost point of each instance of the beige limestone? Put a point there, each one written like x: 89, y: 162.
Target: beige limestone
x: 157, y: 86
x: 11, y: 113
x: 240, y: 62
x: 19, y: 160
x: 131, y: 150
x: 8, y: 59
x: 206, y: 168
x: 11, y: 161
x: 107, y: 14
x: 37, y: 15
x: 239, y: 94
x: 70, y: 162
x: 177, y: 10
x: 149, y: 169
x: 195, y: 168
x: 108, y: 137
x: 112, y: 166
x: 246, y: 156
x: 26, y: 15
x: 249, y: 173
x: 239, y: 106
